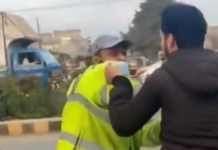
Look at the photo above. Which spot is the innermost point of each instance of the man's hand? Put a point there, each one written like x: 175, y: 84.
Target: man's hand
x: 142, y: 74
x: 141, y: 71
x: 111, y: 71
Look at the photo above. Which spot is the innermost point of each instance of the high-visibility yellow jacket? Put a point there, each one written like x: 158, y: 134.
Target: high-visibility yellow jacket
x: 85, y: 120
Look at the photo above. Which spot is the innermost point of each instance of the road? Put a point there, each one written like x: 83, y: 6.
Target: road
x: 40, y: 142
x: 30, y: 142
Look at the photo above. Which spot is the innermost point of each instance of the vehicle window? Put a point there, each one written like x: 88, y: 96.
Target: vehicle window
x: 29, y: 58
x: 48, y: 57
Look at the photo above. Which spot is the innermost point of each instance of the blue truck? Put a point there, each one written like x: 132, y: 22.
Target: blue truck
x: 23, y: 62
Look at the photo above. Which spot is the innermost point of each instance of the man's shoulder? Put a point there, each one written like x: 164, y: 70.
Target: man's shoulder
x: 159, y: 73
x: 159, y: 77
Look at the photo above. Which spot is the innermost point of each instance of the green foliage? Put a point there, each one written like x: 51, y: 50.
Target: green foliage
x: 28, y: 99
x: 146, y: 25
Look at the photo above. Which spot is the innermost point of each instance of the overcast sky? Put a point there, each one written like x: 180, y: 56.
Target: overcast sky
x: 92, y: 19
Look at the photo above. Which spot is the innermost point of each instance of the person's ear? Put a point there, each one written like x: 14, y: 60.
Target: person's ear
x: 171, y: 43
x: 96, y: 59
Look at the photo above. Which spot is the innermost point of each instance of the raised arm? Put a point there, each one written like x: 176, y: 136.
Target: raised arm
x: 128, y: 114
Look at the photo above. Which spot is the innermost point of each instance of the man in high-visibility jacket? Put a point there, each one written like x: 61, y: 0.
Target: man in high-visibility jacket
x: 85, y: 120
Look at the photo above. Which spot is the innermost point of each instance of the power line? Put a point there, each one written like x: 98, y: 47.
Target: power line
x: 65, y: 6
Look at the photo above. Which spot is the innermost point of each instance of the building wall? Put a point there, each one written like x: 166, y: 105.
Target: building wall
x: 46, y: 38
x: 208, y: 44
x: 212, y: 37
x: 72, y: 34
x: 71, y: 42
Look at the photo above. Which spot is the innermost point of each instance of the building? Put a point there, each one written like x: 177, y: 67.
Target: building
x: 47, y: 41
x: 71, y: 42
x: 211, y: 40
x: 66, y: 36
x: 208, y: 43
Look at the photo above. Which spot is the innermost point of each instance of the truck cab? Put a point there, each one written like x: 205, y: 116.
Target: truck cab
x: 23, y: 62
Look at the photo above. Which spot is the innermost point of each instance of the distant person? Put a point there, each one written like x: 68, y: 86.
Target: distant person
x: 185, y: 87
x: 25, y: 61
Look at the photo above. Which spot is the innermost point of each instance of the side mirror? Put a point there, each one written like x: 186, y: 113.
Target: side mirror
x: 44, y: 64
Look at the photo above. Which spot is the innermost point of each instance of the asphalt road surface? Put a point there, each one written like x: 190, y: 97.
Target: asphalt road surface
x: 40, y: 142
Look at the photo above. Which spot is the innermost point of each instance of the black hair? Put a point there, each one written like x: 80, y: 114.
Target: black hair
x: 186, y: 23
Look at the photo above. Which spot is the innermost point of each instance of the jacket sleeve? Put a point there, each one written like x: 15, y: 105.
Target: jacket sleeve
x: 150, y: 134
x: 128, y: 114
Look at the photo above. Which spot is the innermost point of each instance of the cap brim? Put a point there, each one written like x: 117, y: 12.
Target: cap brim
x: 126, y: 44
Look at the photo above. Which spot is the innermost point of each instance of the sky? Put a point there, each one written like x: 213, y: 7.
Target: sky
x: 91, y: 16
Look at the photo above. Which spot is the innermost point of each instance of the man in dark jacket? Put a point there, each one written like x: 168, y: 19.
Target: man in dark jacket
x: 185, y: 87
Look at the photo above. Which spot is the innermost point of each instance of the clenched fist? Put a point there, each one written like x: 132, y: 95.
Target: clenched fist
x: 111, y: 71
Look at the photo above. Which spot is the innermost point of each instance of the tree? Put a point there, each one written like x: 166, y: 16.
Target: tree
x: 144, y: 32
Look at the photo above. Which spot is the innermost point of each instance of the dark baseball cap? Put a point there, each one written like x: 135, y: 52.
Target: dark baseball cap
x: 110, y: 40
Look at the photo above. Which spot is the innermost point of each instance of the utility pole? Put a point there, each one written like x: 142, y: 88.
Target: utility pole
x: 4, y: 38
x: 38, y: 32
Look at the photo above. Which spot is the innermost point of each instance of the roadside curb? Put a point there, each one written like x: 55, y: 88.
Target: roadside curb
x: 32, y: 126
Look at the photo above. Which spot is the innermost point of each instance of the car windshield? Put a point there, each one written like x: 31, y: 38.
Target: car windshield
x: 48, y: 57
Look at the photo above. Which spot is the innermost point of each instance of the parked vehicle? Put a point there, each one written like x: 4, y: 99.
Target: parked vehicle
x: 23, y: 62
x: 135, y: 62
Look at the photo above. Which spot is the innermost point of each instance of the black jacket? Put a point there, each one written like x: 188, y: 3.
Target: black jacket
x: 186, y: 88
